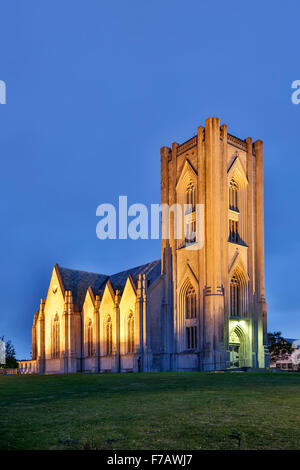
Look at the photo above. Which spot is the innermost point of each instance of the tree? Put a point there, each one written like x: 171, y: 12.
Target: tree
x: 279, y: 348
x: 10, y: 355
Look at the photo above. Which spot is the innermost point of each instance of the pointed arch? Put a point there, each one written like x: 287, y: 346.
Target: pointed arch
x: 188, y: 174
x: 237, y: 202
x: 188, y: 274
x: 190, y: 197
x: 237, y: 264
x: 188, y: 314
x: 190, y: 302
x: 233, y: 195
x: 237, y: 346
x: 238, y: 289
x: 186, y: 199
x: 239, y: 332
x: 188, y: 299
x: 187, y: 286
x: 236, y: 171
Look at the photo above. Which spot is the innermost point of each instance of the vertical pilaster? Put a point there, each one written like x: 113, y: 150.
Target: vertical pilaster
x: 41, y: 328
x: 97, y: 332
x: 225, y: 235
x: 34, y: 341
x: 252, y: 311
x: 138, y: 325
x: 214, y: 299
x: 260, y: 251
x: 201, y: 252
x: 147, y: 353
x: 69, y: 360
x: 167, y: 318
x: 117, y: 366
x: 165, y: 155
x: 64, y: 335
x: 72, y: 338
x: 173, y: 341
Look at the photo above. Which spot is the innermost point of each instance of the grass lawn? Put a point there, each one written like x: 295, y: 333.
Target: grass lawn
x: 151, y: 411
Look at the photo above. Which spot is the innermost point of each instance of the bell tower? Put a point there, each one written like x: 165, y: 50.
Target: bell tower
x: 214, y: 310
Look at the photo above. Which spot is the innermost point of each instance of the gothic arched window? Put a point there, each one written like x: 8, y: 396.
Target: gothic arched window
x: 233, y: 195
x: 234, y: 231
x: 190, y: 299
x: 235, y: 300
x: 130, y: 333
x: 55, y: 337
x: 90, y: 338
x: 108, y: 336
x: 190, y: 198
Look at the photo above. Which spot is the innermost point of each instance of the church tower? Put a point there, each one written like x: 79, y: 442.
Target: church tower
x: 214, y: 308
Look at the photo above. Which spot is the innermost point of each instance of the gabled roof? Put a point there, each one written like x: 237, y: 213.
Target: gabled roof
x: 79, y: 281
x: 152, y: 271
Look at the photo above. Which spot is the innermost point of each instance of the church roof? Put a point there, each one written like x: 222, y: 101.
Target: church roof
x: 152, y: 271
x: 79, y: 281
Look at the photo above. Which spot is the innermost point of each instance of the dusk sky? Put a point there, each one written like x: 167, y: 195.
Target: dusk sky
x: 94, y: 89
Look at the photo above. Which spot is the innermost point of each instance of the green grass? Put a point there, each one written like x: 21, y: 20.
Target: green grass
x: 150, y: 411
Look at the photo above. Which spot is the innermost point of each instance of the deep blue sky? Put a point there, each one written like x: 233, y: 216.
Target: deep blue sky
x: 94, y: 89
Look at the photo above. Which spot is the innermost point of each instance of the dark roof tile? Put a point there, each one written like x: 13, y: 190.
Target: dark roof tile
x: 79, y: 281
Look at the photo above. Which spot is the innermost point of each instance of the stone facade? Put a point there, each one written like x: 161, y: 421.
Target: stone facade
x: 196, y: 309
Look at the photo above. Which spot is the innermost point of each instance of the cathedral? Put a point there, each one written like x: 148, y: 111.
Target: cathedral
x: 195, y: 309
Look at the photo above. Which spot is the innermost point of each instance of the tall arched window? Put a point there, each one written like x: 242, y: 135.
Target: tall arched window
x: 55, y: 337
x: 239, y: 294
x: 234, y: 236
x: 90, y: 338
x: 233, y: 195
x: 190, y: 198
x: 108, y: 336
x: 235, y: 296
x: 130, y: 333
x: 190, y: 299
x: 187, y: 338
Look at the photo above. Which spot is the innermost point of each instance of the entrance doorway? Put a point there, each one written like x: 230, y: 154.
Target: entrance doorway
x: 237, y: 348
x: 234, y: 350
